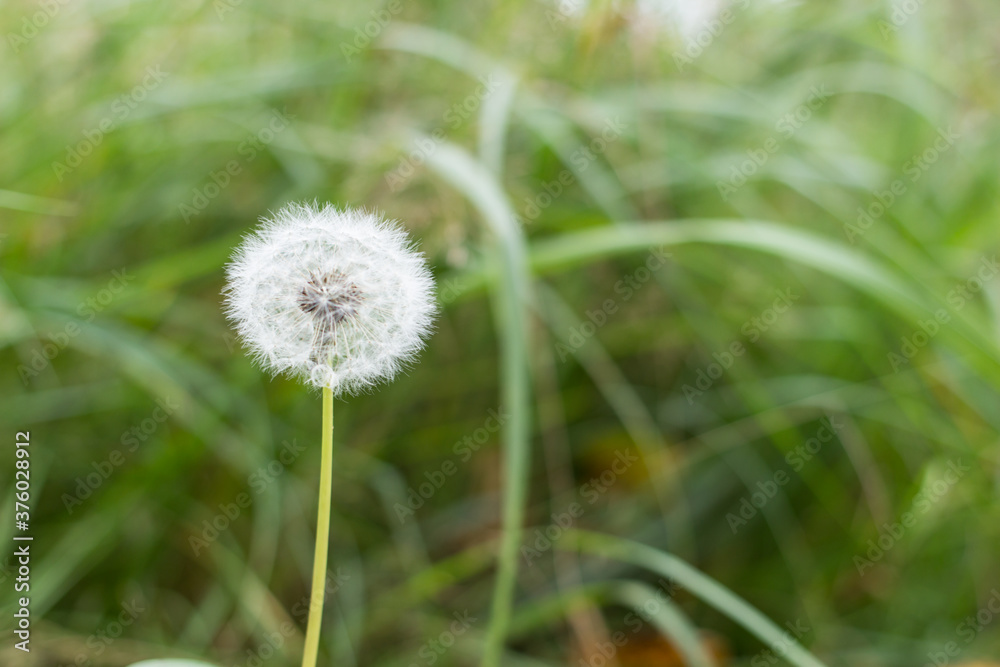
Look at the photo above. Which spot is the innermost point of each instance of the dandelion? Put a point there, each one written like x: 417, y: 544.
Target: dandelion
x: 339, y: 299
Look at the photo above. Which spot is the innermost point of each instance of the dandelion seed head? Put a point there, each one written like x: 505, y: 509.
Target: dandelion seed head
x: 338, y: 298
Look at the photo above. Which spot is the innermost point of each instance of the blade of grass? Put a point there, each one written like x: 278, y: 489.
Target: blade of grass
x: 512, y: 296
x: 664, y: 615
x: 699, y: 584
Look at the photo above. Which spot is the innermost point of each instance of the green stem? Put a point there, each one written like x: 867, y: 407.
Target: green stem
x: 322, y: 536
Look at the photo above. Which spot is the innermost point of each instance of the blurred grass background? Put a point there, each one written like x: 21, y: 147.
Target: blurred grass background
x: 141, y: 141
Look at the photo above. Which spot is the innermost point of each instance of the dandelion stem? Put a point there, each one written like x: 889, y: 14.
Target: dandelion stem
x: 322, y: 536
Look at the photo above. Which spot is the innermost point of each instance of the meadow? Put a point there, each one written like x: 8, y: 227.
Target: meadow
x: 714, y: 379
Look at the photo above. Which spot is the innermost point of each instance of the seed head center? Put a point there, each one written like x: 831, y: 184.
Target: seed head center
x: 330, y: 298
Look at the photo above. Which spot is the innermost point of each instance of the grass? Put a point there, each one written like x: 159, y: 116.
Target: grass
x: 533, y: 226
